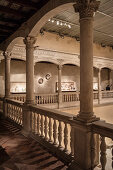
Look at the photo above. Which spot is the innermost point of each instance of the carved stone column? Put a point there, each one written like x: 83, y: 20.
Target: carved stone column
x: 86, y: 11
x: 59, y: 85
x: 29, y: 42
x: 27, y: 117
x: 7, y: 56
x: 84, y: 152
x: 99, y: 86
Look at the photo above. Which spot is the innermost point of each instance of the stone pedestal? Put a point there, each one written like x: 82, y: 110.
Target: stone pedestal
x: 83, y: 147
x: 26, y: 120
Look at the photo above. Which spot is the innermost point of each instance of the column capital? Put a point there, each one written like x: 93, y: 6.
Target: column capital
x: 59, y: 67
x: 7, y: 55
x: 86, y: 8
x: 30, y: 41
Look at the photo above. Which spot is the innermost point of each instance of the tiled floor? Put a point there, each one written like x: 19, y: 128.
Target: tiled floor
x: 21, y: 153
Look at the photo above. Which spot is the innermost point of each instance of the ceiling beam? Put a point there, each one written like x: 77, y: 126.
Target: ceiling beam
x: 7, y: 10
x: 7, y: 27
x: 26, y: 3
x: 10, y: 21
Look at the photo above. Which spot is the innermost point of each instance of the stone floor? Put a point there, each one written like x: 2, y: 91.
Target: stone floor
x: 20, y: 153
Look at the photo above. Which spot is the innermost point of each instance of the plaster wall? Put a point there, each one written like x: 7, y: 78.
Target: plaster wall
x: 69, y: 73
x: 69, y: 45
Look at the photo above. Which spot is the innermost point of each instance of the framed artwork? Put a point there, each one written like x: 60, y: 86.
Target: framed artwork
x: 48, y: 76
x: 18, y: 87
x: 67, y: 86
x: 40, y: 81
x: 95, y: 86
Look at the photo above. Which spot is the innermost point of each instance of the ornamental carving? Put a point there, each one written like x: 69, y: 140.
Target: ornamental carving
x: 30, y: 41
x: 7, y: 54
x: 86, y: 8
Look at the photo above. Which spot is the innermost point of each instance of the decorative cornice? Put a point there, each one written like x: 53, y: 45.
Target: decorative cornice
x: 86, y: 8
x: 58, y: 58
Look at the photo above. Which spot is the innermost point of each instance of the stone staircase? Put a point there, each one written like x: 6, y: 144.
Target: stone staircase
x: 20, y: 153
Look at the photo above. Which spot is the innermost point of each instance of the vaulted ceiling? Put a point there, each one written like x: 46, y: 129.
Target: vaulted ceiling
x: 14, y: 12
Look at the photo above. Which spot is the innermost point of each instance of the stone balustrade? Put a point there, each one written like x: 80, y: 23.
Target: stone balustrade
x: 71, y: 96
x: 54, y: 128
x: 66, y: 97
x: 105, y: 132
x: 14, y: 111
x: 56, y: 131
x: 46, y: 98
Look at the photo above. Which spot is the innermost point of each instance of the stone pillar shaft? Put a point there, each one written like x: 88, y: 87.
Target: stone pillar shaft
x: 86, y: 11
x: 7, y: 74
x: 29, y: 41
x: 99, y: 86
x: 86, y: 67
x: 59, y: 85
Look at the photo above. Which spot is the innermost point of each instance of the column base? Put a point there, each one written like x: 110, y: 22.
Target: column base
x: 86, y: 117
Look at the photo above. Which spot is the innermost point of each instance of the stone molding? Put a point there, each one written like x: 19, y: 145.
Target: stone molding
x: 58, y: 58
x: 86, y: 8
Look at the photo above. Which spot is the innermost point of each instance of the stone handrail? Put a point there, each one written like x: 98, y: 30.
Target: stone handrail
x: 54, y: 127
x: 104, y: 130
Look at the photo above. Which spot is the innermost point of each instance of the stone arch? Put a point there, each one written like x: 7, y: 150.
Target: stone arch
x: 52, y: 8
x: 71, y: 63
x: 34, y: 24
x: 46, y: 61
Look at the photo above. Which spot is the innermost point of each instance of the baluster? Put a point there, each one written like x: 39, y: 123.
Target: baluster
x: 46, y: 128
x: 60, y: 134
x: 38, y: 124
x: 66, y: 137
x: 50, y: 129
x: 72, y: 141
x: 42, y: 125
x: 93, y: 154
x: 103, y: 153
x: 35, y: 122
x: 54, y: 99
x: 55, y: 132
x: 49, y: 99
x: 112, y: 157
x: 32, y: 122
